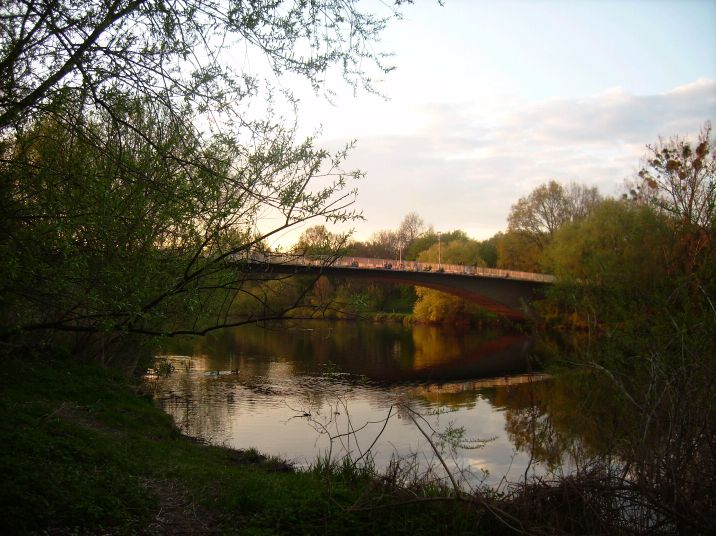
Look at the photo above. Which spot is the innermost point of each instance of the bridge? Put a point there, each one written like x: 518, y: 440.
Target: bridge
x: 505, y: 292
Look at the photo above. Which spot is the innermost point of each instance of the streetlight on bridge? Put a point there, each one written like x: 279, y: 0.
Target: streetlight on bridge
x: 439, y: 252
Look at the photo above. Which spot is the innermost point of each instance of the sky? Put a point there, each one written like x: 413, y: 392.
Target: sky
x: 492, y: 98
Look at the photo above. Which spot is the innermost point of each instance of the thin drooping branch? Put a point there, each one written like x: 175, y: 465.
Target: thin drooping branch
x: 412, y: 413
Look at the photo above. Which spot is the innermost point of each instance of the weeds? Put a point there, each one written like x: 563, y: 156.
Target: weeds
x: 637, y: 484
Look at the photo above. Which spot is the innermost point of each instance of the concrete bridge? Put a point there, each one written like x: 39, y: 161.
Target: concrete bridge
x: 505, y: 292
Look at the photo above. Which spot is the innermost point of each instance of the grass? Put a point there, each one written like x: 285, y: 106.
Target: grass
x: 85, y: 451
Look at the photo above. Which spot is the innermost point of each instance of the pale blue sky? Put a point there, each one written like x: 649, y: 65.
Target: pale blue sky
x: 492, y: 98
x: 541, y: 49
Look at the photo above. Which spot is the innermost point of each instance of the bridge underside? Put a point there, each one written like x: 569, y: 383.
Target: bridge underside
x: 504, y: 296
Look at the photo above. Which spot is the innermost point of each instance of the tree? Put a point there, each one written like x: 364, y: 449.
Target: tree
x: 435, y: 306
x: 548, y: 207
x: 515, y: 251
x: 679, y: 180
x: 438, y: 307
x: 410, y: 228
x: 420, y: 244
x: 431, y: 238
x: 135, y: 170
x: 318, y: 240
x: 489, y: 252
x: 384, y: 244
x: 582, y: 200
x: 178, y: 55
x: 104, y: 234
x: 461, y: 251
x: 651, y: 322
x: 620, y: 246
x: 641, y: 274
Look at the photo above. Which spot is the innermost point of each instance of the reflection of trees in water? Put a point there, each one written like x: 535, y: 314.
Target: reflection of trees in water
x: 301, y: 342
x: 302, y: 362
x: 186, y: 402
x: 434, y: 346
x: 568, y: 415
x: 206, y: 406
x: 473, y: 355
x: 382, y: 351
x: 534, y: 432
x: 563, y: 419
x: 548, y: 419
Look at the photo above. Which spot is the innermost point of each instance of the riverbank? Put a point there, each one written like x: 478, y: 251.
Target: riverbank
x: 85, y: 451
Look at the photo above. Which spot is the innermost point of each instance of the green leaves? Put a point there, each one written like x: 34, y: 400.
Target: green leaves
x: 548, y: 207
x: 178, y: 53
x: 122, y: 208
x: 127, y: 222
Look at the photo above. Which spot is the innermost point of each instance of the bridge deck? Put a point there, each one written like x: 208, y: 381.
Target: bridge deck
x: 506, y: 292
x: 395, y: 265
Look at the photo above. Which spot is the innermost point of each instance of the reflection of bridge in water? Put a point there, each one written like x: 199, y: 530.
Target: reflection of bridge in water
x: 505, y: 292
x: 506, y: 355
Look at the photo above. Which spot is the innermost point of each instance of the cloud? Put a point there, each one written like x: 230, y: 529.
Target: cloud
x: 616, y: 114
x: 466, y: 165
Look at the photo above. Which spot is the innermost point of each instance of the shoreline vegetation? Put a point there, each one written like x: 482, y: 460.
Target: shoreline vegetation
x: 409, y: 319
x: 88, y: 452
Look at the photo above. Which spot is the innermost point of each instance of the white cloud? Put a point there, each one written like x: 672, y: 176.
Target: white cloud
x: 467, y: 165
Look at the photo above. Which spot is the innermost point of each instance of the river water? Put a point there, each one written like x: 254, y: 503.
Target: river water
x: 310, y: 389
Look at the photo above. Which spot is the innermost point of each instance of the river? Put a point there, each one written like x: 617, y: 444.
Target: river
x: 370, y: 391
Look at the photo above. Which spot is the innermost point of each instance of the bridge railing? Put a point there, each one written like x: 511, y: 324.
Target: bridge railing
x: 415, y: 266
x: 392, y: 264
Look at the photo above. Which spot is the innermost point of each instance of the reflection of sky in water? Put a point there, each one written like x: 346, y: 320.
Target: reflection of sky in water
x: 347, y: 376
x: 266, y: 412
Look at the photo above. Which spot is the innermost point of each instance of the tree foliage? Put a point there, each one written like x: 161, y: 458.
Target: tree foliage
x: 488, y: 250
x: 410, y: 228
x: 429, y: 238
x: 384, y: 244
x: 318, y: 240
x: 641, y: 273
x: 104, y: 233
x: 515, y: 251
x: 548, y: 207
x: 136, y: 171
x: 679, y: 181
x: 435, y: 306
x: 178, y: 54
x: 618, y: 257
x: 464, y: 251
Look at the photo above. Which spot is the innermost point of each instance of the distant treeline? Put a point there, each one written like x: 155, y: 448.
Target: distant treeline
x: 661, y: 226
